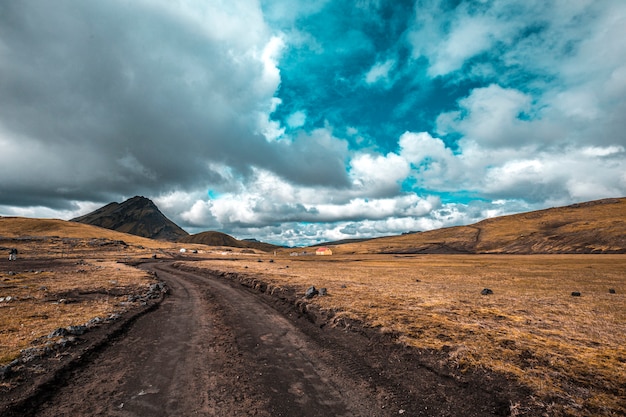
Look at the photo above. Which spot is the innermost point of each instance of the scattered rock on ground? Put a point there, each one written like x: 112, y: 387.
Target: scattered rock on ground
x: 113, y: 317
x: 60, y: 332
x: 76, y: 330
x: 5, y: 371
x: 65, y: 341
x: 311, y: 292
x: 69, y: 330
x: 94, y: 322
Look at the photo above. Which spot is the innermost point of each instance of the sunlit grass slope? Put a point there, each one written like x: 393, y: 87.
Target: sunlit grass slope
x: 570, y: 350
x: 593, y: 227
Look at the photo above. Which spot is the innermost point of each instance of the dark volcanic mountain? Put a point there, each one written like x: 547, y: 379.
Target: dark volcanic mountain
x: 222, y: 239
x: 138, y: 216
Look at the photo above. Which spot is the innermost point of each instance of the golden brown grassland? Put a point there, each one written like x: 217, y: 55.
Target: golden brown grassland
x: 563, y: 347
x: 44, y: 300
x: 592, y: 227
x: 75, y: 277
x: 571, y: 350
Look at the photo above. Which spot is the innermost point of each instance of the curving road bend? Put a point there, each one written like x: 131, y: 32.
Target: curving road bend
x: 210, y: 349
x: 214, y: 348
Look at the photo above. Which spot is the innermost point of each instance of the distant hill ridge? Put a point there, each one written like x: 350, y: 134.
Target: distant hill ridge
x: 137, y: 216
x: 591, y: 227
x: 141, y: 217
x: 222, y: 239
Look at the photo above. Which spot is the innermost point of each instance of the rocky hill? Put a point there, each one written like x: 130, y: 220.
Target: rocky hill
x: 137, y: 216
x: 222, y: 239
x: 591, y: 227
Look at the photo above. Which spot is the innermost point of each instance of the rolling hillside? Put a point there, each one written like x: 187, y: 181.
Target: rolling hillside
x: 591, y: 227
x: 222, y: 239
x: 18, y: 229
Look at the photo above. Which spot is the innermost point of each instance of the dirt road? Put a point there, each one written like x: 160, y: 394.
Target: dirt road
x: 215, y: 348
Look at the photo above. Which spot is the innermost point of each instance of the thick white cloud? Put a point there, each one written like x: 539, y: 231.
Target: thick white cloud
x: 269, y: 200
x: 378, y: 175
x: 573, y: 175
x: 448, y: 38
x: 559, y: 175
x: 491, y: 116
x: 568, y: 58
x: 433, y: 164
x: 406, y: 206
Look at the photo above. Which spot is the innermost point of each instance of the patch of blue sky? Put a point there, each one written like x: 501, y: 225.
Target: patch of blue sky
x: 459, y: 197
x: 213, y: 195
x: 412, y: 185
x: 327, y: 79
x: 382, y: 114
x: 409, y: 184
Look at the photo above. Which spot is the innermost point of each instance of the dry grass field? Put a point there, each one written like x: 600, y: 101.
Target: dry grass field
x: 591, y: 227
x: 570, y: 350
x: 66, y: 274
x: 69, y: 293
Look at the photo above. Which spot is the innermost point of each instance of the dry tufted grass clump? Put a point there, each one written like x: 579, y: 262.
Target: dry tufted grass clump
x: 571, y: 350
x: 35, y: 302
x: 65, y: 274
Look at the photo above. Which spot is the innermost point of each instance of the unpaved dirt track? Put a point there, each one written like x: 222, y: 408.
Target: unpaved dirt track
x: 214, y: 348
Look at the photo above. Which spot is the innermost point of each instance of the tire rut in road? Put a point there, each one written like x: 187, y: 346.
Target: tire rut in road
x: 146, y: 372
x: 395, y: 379
x: 216, y: 348
x: 283, y: 363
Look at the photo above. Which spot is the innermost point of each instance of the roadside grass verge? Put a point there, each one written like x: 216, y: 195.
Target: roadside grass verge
x: 59, y: 293
x: 66, y: 274
x: 571, y: 350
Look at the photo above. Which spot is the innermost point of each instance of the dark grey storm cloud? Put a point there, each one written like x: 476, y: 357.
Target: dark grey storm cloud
x: 127, y: 98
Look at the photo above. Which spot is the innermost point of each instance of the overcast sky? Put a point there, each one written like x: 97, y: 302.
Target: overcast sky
x: 301, y: 121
